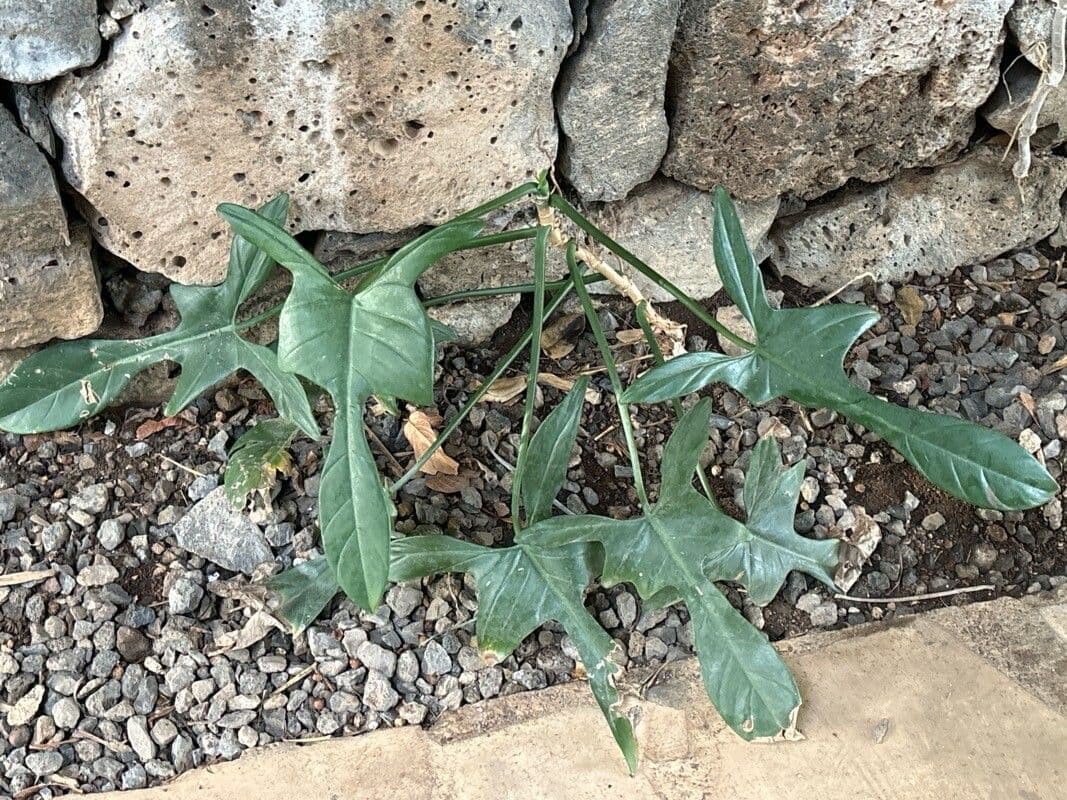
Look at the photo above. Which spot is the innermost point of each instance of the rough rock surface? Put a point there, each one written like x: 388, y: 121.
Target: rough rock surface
x: 48, y: 284
x: 474, y: 321
x: 924, y: 221
x: 1030, y: 23
x: 668, y: 225
x: 201, y: 103
x: 611, y: 95
x: 769, y: 99
x: 1008, y: 104
x: 41, y: 39
x: 215, y: 530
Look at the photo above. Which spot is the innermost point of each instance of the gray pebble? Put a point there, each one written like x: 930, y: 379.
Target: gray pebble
x: 378, y: 694
x: 435, y: 659
x: 110, y: 534
x: 44, y: 762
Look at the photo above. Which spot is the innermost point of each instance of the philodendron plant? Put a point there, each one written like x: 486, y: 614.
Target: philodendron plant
x: 377, y: 341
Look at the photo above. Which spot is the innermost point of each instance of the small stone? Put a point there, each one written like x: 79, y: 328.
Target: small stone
x: 202, y: 487
x: 164, y: 732
x: 66, y: 713
x: 110, y: 534
x: 132, y: 645
x: 97, y: 575
x: 25, y: 707
x: 215, y: 530
x: 378, y: 694
x: 984, y: 555
x: 931, y: 522
x: 1030, y: 441
x: 184, y: 596
x: 92, y: 499
x: 403, y: 600
x: 44, y: 762
x: 377, y: 658
x: 140, y: 740
x: 435, y: 659
x: 626, y: 607
x: 412, y: 713
x: 407, y: 667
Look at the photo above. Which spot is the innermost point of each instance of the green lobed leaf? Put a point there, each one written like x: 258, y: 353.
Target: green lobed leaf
x: 64, y: 384
x: 256, y: 458
x: 544, y: 463
x: 799, y: 354
x: 519, y: 589
x: 302, y: 592
x: 684, y: 544
x: 377, y: 341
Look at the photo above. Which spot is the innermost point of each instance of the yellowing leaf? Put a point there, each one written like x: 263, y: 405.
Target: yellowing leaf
x: 419, y: 431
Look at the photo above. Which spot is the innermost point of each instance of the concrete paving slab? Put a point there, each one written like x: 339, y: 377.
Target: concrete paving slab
x: 964, y: 703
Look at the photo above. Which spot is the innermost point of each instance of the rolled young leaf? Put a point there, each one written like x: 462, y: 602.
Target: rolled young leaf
x: 548, y: 453
x: 66, y: 383
x: 799, y: 354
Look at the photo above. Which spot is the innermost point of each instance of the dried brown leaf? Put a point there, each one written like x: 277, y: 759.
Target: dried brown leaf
x: 448, y: 484
x: 154, y: 426
x: 630, y: 336
x: 592, y: 396
x: 419, y: 430
x: 504, y: 390
x: 559, y: 338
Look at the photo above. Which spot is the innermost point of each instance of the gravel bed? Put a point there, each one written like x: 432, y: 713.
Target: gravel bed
x: 128, y: 665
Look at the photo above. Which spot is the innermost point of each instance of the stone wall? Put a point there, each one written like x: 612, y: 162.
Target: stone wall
x: 860, y: 136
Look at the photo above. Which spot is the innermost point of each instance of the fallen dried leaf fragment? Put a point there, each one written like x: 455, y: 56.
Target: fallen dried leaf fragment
x: 419, y: 430
x: 559, y: 338
x: 504, y: 390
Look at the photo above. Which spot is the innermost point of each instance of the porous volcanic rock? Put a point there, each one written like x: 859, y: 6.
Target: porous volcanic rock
x: 771, y: 97
x: 40, y: 39
x: 922, y: 221
x: 375, y: 117
x: 610, y: 98
x: 48, y: 284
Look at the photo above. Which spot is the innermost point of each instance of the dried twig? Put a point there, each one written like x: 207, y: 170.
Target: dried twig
x: 16, y: 578
x: 842, y: 288
x: 913, y: 598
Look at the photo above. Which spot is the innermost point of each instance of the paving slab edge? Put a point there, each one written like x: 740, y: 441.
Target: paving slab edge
x: 995, y: 632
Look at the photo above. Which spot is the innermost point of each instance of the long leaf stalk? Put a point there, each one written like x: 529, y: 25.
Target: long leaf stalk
x: 540, y: 248
x: 604, y: 240
x: 613, y: 375
x: 481, y: 391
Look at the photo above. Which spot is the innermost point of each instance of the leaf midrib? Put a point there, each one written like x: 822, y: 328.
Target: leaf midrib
x: 842, y: 401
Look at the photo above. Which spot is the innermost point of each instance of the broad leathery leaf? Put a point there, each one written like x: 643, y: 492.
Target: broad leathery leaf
x: 684, y: 544
x: 376, y: 341
x: 519, y: 589
x: 257, y: 457
x: 799, y: 354
x: 64, y: 384
x: 302, y: 593
x: 543, y: 465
